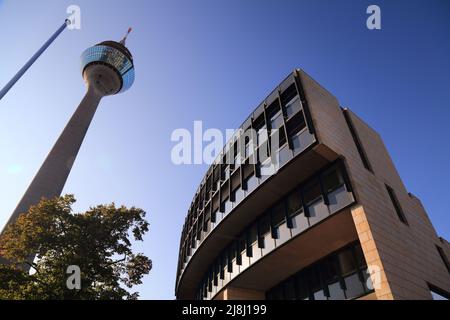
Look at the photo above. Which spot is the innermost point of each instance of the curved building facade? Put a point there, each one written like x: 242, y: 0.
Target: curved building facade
x: 328, y: 222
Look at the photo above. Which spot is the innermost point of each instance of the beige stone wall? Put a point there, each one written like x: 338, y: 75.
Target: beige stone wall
x: 406, y: 254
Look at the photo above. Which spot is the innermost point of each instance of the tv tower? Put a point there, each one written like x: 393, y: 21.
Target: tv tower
x: 107, y: 69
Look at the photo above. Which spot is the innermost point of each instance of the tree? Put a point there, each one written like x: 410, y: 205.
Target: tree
x: 97, y: 241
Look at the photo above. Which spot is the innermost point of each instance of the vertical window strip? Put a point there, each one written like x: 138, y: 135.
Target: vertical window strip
x: 359, y: 146
x: 396, y: 204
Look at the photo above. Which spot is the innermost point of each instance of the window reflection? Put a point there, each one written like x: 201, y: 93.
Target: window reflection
x: 325, y: 279
x: 113, y: 57
x: 277, y: 121
x: 293, y: 106
x: 286, y: 219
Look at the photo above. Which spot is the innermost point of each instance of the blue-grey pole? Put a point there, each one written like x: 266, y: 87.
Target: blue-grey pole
x: 22, y: 71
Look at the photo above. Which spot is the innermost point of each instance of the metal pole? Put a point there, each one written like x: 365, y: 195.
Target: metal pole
x: 22, y: 71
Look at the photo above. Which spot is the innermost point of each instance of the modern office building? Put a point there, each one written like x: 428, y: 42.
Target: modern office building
x: 107, y: 69
x: 334, y: 222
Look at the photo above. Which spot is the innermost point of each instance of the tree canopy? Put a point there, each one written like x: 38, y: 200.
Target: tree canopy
x: 50, y: 237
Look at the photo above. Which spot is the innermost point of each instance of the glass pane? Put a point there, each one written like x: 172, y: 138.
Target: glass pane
x: 238, y: 196
x: 329, y: 269
x: 301, y: 287
x: 312, y: 192
x: 437, y: 296
x: 289, y: 290
x: 302, y: 140
x: 285, y: 154
x: 226, y: 172
x: 339, y: 198
x: 252, y: 183
x: 317, y: 211
x: 278, y: 293
x: 264, y: 225
x: 277, y: 121
x: 360, y: 260
x: 264, y: 153
x: 320, y: 295
x: 278, y: 215
x: 113, y: 57
x: 237, y: 160
x: 249, y: 149
x: 219, y: 217
x: 294, y: 203
x: 235, y: 270
x: 312, y: 276
x: 284, y: 234
x: 299, y: 223
x: 332, y: 180
x: 245, y: 261
x: 336, y: 292
x: 293, y: 106
x: 256, y: 253
x: 228, y: 207
x: 262, y: 136
x: 346, y: 262
x: 354, y: 287
x: 266, y: 235
x: 368, y: 285
x: 252, y: 236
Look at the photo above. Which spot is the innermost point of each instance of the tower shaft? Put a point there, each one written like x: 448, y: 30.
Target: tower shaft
x: 107, y: 70
x: 51, y: 177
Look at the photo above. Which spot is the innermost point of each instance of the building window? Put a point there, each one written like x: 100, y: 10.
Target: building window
x: 359, y: 146
x: 251, y: 184
x: 396, y: 204
x: 261, y: 136
x: 280, y: 231
x: 266, y: 241
x: 297, y: 220
x: 444, y: 258
x: 338, y: 276
x: 293, y: 106
x: 285, y: 154
x: 277, y: 120
x: 237, y: 160
x: 344, y: 277
x: 317, y: 210
x: 289, y: 291
x: 296, y: 124
x: 249, y: 149
x: 335, y: 189
x: 438, y: 294
x: 225, y: 172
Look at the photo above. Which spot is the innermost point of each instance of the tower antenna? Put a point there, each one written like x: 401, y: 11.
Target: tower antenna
x: 124, y: 40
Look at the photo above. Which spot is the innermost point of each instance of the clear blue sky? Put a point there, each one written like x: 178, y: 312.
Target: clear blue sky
x: 215, y: 61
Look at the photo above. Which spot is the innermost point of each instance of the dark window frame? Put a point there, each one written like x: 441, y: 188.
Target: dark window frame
x: 443, y: 257
x: 397, y: 206
x: 357, y: 141
x: 438, y: 291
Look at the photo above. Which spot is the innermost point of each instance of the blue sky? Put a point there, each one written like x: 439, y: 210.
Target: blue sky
x: 215, y: 61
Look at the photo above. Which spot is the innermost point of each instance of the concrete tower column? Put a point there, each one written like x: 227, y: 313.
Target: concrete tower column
x: 107, y: 69
x: 52, y: 176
